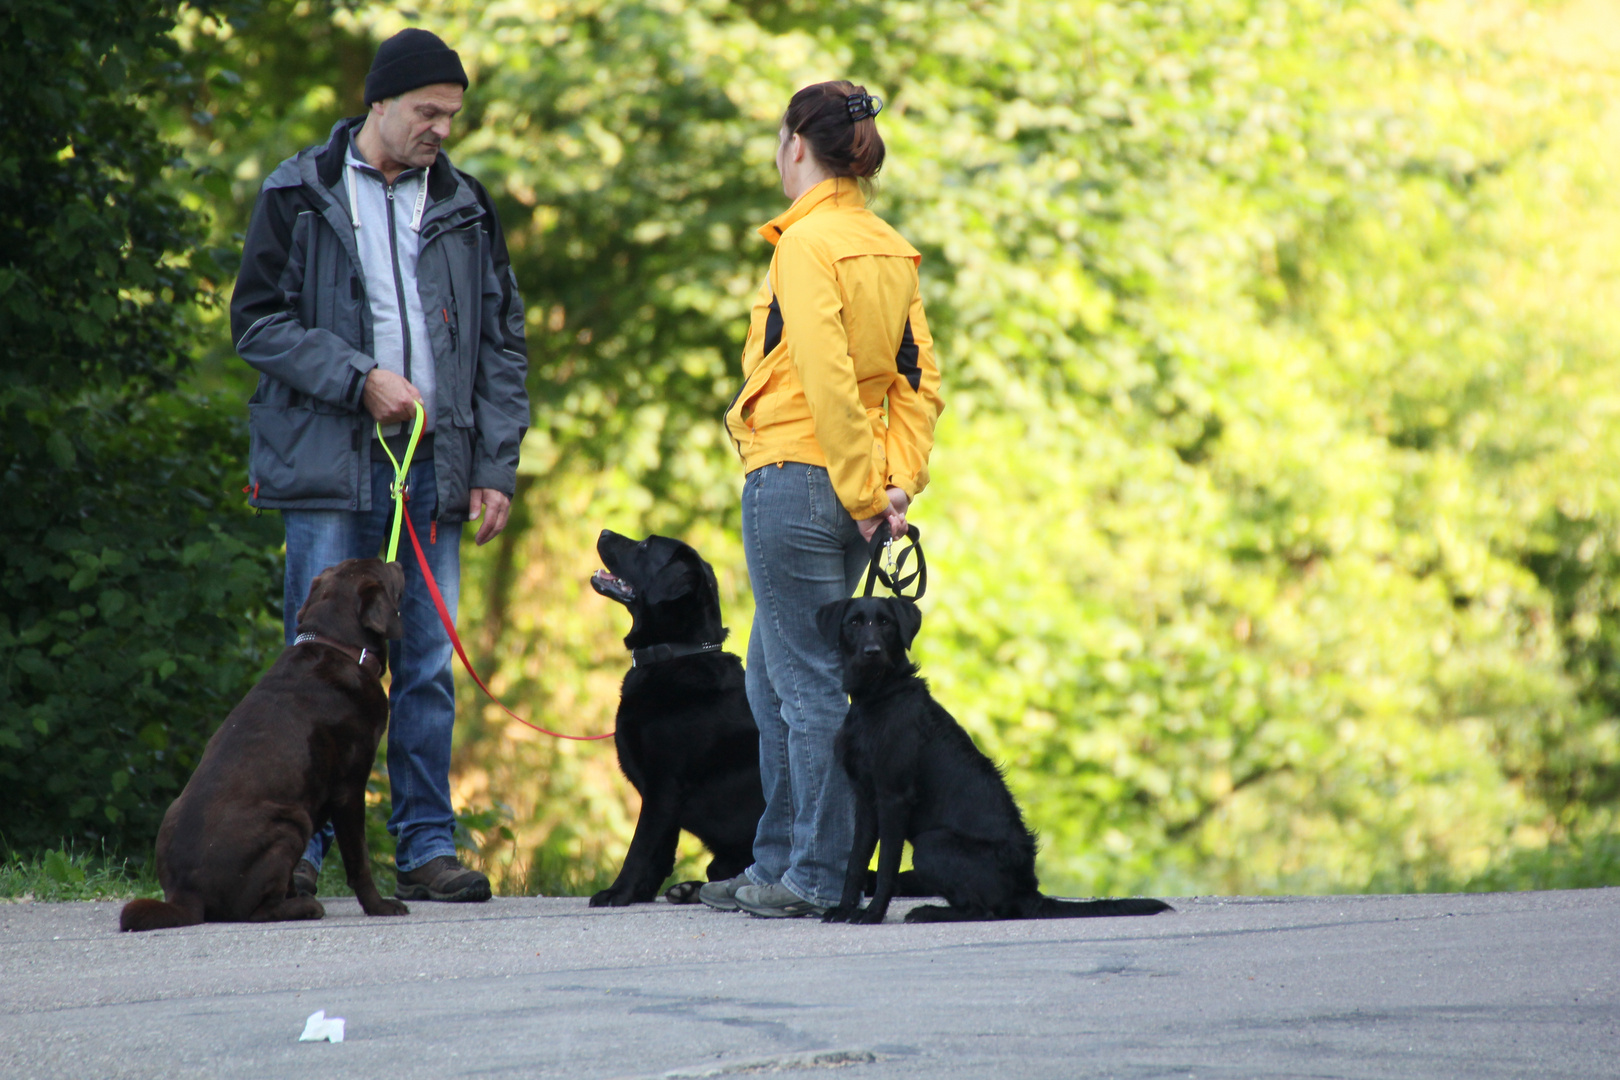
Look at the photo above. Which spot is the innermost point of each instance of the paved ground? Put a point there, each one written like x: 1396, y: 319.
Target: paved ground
x: 1510, y: 985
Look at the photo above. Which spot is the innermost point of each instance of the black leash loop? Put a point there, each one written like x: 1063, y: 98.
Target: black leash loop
x: 897, y: 581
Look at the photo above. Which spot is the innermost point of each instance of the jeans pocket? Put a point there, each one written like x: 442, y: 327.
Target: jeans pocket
x: 821, y: 500
x: 815, y: 503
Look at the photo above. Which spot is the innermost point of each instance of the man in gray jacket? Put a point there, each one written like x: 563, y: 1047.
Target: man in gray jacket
x: 375, y: 276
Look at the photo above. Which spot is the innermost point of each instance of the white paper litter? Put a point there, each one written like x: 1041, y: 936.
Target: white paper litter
x: 318, y: 1028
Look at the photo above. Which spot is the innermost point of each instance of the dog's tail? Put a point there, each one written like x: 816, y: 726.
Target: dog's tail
x: 1052, y: 908
x: 156, y: 915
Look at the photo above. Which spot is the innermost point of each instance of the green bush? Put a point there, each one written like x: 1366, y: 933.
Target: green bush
x: 99, y: 258
x: 139, y: 602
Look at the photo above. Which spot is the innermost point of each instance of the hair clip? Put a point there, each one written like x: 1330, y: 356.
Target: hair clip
x: 863, y: 106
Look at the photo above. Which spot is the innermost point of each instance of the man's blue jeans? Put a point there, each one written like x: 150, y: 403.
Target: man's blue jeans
x: 422, y: 696
x: 804, y: 551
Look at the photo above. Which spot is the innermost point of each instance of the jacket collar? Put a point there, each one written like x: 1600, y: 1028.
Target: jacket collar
x: 449, y: 194
x: 329, y: 158
x: 839, y: 191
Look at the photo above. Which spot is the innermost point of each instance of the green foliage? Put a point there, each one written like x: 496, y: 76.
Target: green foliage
x: 135, y: 584
x: 99, y: 263
x: 1573, y: 761
x: 137, y: 600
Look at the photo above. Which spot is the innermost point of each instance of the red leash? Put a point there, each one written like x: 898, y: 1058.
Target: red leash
x: 449, y: 624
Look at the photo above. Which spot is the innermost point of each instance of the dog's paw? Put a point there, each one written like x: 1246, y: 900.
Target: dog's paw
x: 611, y: 897
x: 840, y: 914
x: 387, y: 905
x: 683, y: 892
x: 869, y: 916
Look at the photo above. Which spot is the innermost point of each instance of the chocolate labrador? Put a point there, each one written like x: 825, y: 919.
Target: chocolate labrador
x: 918, y: 777
x: 685, y: 735
x: 294, y: 752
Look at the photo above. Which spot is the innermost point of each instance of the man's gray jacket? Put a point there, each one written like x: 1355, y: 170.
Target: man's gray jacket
x: 300, y: 316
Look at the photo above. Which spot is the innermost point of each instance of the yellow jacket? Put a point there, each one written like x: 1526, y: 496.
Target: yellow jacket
x: 837, y: 329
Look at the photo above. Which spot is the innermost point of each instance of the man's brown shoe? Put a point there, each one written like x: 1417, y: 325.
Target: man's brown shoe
x: 305, y: 878
x: 443, y: 878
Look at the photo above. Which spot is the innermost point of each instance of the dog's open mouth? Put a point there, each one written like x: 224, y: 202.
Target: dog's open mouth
x: 612, y: 587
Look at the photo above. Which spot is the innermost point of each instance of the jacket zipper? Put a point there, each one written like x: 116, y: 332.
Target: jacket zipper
x: 399, y: 282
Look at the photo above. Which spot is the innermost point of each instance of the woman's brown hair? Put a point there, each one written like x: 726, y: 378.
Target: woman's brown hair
x: 838, y: 120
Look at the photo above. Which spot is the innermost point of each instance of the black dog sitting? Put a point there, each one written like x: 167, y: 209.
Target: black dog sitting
x: 686, y: 737
x: 918, y: 777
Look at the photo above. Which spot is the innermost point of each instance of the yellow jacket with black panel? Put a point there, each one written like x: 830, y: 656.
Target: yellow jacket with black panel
x: 839, y: 369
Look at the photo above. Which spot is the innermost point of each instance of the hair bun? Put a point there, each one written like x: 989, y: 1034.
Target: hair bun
x: 863, y: 106
x: 830, y: 117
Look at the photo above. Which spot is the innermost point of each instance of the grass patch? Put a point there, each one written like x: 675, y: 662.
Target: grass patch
x: 483, y: 841
x: 540, y: 875
x: 69, y: 873
x: 1587, y: 863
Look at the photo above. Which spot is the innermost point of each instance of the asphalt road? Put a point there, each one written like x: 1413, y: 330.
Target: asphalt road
x: 1478, y: 986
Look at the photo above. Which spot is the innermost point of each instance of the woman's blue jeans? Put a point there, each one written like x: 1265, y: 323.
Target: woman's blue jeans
x: 804, y: 551
x: 422, y: 695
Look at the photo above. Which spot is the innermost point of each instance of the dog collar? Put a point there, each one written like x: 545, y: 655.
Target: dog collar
x: 654, y: 654
x: 363, y: 657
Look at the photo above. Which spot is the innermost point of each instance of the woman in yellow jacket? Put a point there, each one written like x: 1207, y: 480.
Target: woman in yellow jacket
x: 834, y: 425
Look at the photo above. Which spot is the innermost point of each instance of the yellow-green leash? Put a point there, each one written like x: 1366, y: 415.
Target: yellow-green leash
x: 401, y: 471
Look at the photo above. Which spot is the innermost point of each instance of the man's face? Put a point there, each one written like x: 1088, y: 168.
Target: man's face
x: 412, y: 126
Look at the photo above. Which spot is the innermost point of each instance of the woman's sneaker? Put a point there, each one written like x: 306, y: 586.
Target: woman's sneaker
x: 443, y: 878
x: 722, y: 895
x: 775, y: 902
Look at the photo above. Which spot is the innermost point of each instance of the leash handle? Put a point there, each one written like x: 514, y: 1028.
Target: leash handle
x: 892, y: 579
x: 401, y: 471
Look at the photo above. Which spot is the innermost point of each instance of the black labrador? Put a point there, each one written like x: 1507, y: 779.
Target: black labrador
x: 295, y: 752
x: 918, y: 776
x: 686, y: 737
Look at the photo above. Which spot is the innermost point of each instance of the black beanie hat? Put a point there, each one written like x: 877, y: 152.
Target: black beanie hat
x: 409, y: 59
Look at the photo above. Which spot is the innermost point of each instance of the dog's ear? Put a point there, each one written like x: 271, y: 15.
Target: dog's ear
x: 830, y: 620
x: 315, y: 588
x: 908, y: 615
x: 394, y: 574
x: 380, y: 604
x: 673, y: 581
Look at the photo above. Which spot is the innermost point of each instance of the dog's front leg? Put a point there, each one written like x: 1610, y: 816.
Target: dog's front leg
x: 860, y: 856
x: 652, y: 850
x: 892, y: 811
x: 349, y: 823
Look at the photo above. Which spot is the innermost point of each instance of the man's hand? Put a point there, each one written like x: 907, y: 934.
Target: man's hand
x: 499, y: 507
x: 389, y: 398
x: 899, y: 503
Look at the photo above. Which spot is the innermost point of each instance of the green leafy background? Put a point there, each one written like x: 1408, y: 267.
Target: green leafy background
x: 1274, y: 536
